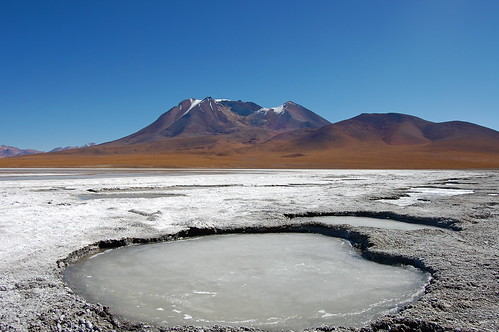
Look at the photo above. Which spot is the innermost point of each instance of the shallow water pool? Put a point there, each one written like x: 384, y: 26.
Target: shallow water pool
x: 271, y: 281
x: 366, y: 222
x: 425, y: 194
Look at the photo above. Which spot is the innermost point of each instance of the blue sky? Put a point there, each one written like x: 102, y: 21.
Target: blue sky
x: 78, y: 71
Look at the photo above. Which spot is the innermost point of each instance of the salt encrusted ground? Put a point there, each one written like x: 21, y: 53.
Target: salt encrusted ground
x: 43, y: 220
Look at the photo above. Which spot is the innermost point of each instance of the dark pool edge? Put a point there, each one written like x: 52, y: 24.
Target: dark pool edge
x: 359, y: 240
x: 346, y: 232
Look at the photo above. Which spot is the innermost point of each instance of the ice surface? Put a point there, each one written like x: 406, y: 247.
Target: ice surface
x: 272, y: 281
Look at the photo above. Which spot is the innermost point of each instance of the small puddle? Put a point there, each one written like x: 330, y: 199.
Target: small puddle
x: 272, y: 281
x: 424, y: 194
x: 366, y: 222
x: 127, y: 195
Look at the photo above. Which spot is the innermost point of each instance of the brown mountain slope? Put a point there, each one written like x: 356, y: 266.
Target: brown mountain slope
x: 390, y: 141
x: 289, y: 116
x: 392, y: 129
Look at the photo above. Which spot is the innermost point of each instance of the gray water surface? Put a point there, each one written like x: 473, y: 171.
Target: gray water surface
x: 271, y: 281
x: 366, y: 222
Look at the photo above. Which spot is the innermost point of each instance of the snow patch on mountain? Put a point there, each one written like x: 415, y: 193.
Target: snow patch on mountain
x: 60, y: 148
x: 194, y: 103
x: 278, y: 109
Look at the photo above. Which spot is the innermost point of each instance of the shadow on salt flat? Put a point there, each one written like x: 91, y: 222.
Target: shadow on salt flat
x: 424, y: 194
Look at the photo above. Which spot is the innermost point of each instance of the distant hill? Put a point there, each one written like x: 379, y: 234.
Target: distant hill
x: 71, y: 147
x: 10, y: 151
x: 226, y: 133
x: 392, y: 129
x: 391, y: 140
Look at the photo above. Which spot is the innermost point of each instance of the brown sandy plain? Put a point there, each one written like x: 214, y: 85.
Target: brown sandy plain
x: 366, y: 156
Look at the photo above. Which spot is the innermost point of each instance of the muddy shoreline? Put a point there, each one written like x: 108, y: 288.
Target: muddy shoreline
x: 463, y: 257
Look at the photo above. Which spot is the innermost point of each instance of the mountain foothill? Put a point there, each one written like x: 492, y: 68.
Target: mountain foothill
x: 236, y: 134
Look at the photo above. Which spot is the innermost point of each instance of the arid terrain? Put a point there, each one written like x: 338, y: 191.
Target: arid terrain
x: 213, y: 133
x: 360, y: 157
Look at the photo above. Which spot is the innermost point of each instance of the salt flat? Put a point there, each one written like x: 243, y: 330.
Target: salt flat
x: 47, y: 214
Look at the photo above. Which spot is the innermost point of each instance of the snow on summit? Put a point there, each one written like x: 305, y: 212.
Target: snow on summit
x: 194, y: 103
x: 279, y: 109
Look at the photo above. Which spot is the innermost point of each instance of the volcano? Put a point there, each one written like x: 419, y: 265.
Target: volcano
x: 210, y: 117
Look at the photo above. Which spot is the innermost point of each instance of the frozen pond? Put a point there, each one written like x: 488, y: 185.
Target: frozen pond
x: 272, y: 281
x: 366, y: 222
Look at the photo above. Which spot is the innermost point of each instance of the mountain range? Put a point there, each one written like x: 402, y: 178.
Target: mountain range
x: 226, y: 133
x: 64, y: 148
x: 11, y: 151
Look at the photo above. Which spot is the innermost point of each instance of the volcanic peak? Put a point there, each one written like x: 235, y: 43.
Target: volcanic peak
x: 235, y: 106
x: 207, y: 117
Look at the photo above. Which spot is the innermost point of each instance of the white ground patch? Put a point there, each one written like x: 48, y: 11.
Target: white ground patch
x: 43, y: 220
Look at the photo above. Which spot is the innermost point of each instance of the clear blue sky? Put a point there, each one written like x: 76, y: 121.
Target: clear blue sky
x: 78, y: 71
